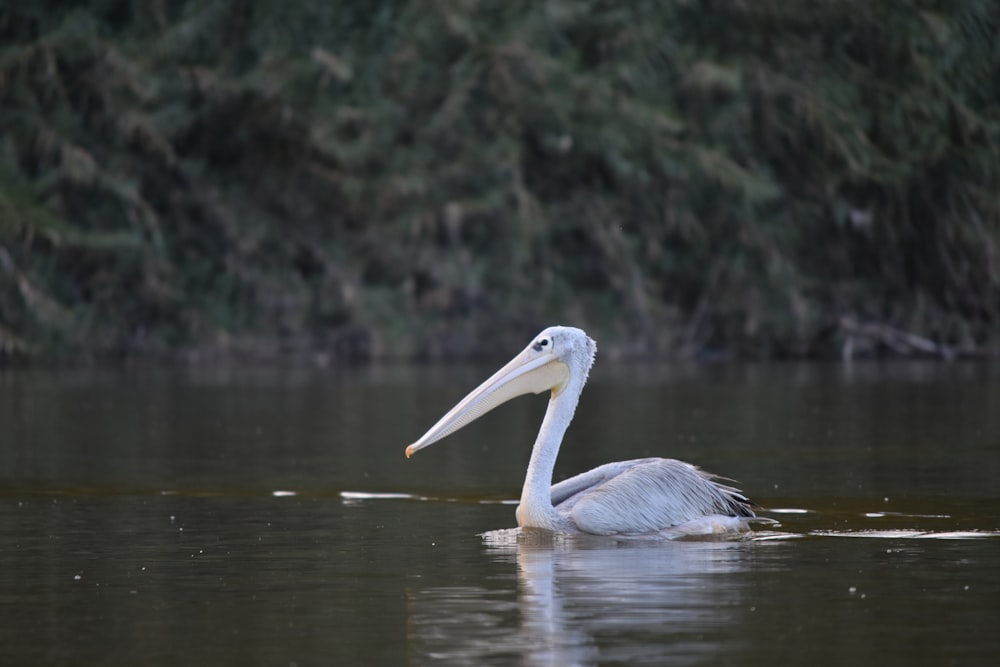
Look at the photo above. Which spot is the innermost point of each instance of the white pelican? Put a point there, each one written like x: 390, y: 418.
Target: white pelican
x: 642, y: 497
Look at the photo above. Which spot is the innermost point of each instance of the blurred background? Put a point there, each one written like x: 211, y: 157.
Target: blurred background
x: 441, y: 179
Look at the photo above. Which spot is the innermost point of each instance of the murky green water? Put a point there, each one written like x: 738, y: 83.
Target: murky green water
x: 269, y: 517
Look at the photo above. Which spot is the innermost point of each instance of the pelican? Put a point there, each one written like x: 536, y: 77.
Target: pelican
x: 652, y: 497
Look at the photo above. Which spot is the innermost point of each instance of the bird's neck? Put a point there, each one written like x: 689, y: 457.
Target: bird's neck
x: 535, y: 509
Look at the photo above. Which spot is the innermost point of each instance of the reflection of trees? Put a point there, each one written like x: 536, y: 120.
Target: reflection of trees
x: 583, y: 601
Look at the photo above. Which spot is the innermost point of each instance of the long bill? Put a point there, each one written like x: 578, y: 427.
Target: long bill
x: 530, y: 372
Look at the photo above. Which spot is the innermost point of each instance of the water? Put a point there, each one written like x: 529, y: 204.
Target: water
x: 268, y: 516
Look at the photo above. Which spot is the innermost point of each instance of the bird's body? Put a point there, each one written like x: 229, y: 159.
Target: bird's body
x: 640, y: 497
x: 649, y: 496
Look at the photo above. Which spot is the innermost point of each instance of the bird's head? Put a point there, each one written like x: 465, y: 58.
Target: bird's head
x: 555, y: 358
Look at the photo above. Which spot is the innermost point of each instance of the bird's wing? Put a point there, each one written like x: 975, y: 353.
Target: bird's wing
x: 654, y: 495
x: 564, y: 491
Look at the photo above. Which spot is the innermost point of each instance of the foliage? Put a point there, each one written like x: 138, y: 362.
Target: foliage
x: 439, y: 178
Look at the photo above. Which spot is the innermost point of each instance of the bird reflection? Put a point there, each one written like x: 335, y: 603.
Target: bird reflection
x: 582, y: 601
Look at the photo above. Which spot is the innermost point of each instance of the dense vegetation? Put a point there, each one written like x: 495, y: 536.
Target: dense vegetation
x: 439, y: 178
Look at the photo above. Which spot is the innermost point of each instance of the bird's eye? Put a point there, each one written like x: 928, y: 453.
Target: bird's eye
x: 541, y: 344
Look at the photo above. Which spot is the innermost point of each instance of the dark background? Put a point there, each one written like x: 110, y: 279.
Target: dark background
x: 440, y: 180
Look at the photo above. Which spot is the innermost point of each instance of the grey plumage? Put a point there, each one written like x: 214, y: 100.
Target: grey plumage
x: 644, y: 496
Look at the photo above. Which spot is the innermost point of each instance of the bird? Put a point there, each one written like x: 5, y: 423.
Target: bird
x: 646, y: 497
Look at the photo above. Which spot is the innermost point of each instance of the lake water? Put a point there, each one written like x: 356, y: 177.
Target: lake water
x: 268, y: 516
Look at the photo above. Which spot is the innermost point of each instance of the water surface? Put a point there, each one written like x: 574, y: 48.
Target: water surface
x: 268, y: 516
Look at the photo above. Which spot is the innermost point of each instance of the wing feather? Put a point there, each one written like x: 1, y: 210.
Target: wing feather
x: 653, y: 495
x: 565, y: 491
